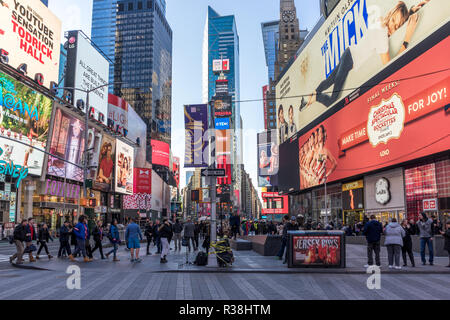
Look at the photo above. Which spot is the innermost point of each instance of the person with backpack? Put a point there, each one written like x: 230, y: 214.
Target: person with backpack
x: 82, y: 234
x: 64, y: 235
x: 165, y: 232
x: 43, y: 237
x: 407, y: 243
x: 426, y: 238
x: 19, y: 236
x: 114, y: 238
x: 133, y: 235
x: 148, y: 233
x: 98, y: 238
x: 177, y: 229
x: 31, y: 235
x: 290, y: 226
x: 373, y: 230
x: 394, y: 242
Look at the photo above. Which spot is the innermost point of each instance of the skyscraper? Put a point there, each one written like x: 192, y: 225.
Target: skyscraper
x: 143, y: 64
x: 45, y: 2
x: 270, y: 38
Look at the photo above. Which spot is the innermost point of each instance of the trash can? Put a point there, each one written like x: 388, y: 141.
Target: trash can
x: 316, y: 249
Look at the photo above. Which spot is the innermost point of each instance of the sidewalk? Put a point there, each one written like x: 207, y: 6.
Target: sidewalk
x: 245, y: 262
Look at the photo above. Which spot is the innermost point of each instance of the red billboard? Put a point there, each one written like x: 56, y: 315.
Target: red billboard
x: 275, y: 203
x: 400, y: 119
x: 176, y: 170
x: 160, y: 153
x: 142, y: 180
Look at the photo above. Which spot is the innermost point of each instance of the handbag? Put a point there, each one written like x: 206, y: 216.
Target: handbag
x: 185, y: 242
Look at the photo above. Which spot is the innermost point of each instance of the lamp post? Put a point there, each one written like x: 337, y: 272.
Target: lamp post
x: 323, y: 160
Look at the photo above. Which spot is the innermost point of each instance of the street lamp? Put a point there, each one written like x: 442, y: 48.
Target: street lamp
x: 323, y: 160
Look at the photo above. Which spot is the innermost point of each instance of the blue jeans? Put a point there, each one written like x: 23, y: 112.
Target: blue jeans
x: 423, y: 242
x: 114, y: 250
x: 81, y: 247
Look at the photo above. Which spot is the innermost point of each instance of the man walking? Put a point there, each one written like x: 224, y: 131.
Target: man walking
x: 157, y: 236
x: 283, y: 238
x: 148, y: 232
x: 19, y: 237
x: 133, y: 235
x: 64, y: 235
x: 177, y: 229
x: 196, y: 234
x: 165, y: 232
x: 98, y: 238
x: 81, y: 232
x: 426, y: 238
x: 234, y: 223
x: 31, y: 235
x: 189, y: 234
x: 373, y: 230
x: 290, y: 226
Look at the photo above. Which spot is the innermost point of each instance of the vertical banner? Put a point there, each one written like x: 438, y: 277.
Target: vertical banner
x: 124, y: 167
x: 196, y: 125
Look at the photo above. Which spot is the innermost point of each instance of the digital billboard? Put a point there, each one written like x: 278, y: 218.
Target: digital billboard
x: 222, y: 106
x: 222, y: 123
x: 106, y: 163
x: 160, y: 153
x: 221, y: 65
x: 24, y: 124
x: 124, y: 167
x: 176, y: 170
x: 357, y: 41
x: 394, y: 122
x: 31, y: 34
x: 273, y: 203
x: 87, y: 69
x: 137, y: 131
x: 223, y: 142
x: 268, y: 158
x: 196, y: 141
x: 118, y: 114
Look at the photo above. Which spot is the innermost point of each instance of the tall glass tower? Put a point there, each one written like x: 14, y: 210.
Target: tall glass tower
x: 143, y: 64
x: 270, y: 37
x: 45, y: 2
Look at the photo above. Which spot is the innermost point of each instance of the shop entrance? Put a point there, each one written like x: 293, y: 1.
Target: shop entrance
x: 352, y: 216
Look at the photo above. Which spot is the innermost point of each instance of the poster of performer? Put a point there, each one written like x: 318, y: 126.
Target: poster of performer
x: 312, y: 250
x: 106, y: 163
x: 124, y: 168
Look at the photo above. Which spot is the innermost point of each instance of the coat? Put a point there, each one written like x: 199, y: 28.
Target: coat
x: 64, y: 234
x: 394, y: 234
x: 20, y: 233
x: 115, y: 236
x: 189, y: 230
x: 98, y: 234
x: 407, y: 241
x: 30, y: 229
x: 373, y: 230
x: 447, y: 240
x: 425, y: 228
x: 81, y: 231
x: 44, y: 235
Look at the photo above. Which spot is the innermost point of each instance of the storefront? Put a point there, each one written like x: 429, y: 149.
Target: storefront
x: 353, y: 202
x: 334, y: 204
x: 8, y: 197
x: 384, y: 195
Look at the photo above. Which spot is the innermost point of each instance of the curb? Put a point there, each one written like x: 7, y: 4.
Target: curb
x: 310, y: 271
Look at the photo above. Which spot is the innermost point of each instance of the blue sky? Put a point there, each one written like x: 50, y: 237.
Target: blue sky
x: 187, y: 20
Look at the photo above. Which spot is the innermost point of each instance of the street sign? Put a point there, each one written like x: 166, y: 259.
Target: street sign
x: 213, y: 172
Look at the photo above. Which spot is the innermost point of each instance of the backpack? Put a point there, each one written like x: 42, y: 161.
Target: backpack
x: 201, y: 259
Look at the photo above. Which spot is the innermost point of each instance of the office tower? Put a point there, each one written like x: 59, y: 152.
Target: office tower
x: 270, y: 38
x: 45, y: 2
x: 143, y: 64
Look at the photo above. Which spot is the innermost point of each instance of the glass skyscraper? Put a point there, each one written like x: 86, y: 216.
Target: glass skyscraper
x: 143, y: 63
x: 45, y: 2
x: 270, y: 37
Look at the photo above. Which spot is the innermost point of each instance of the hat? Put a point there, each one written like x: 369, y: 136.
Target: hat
x: 293, y: 218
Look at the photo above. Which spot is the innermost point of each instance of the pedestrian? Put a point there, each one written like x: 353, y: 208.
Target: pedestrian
x: 97, y: 233
x: 31, y: 235
x: 407, y: 243
x: 394, y: 242
x: 234, y: 224
x: 114, y: 238
x: 148, y: 233
x: 73, y: 241
x: 82, y: 234
x: 133, y: 235
x: 196, y: 234
x: 290, y: 226
x: 414, y: 227
x: 157, y: 237
x: 373, y: 230
x: 177, y: 229
x: 284, y: 237
x: 19, y: 236
x: 446, y: 235
x: 189, y: 234
x: 426, y: 238
x: 64, y: 235
x: 43, y: 237
x: 165, y: 232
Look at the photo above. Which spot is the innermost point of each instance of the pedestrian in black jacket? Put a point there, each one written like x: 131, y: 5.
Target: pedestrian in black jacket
x: 165, y: 232
x: 30, y: 236
x: 446, y: 235
x: 148, y: 234
x: 373, y: 230
x: 64, y: 237
x: 290, y: 226
x: 157, y: 237
x: 196, y: 233
x: 19, y: 236
x: 407, y: 243
x: 97, y: 233
x: 73, y: 241
x: 43, y: 238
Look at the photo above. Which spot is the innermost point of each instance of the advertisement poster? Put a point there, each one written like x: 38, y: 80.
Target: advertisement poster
x: 118, y: 114
x: 24, y: 116
x: 268, y: 158
x: 67, y: 143
x: 223, y: 146
x: 196, y: 143
x: 316, y: 250
x: 87, y: 69
x: 137, y: 132
x: 160, y: 153
x: 383, y: 127
x: 358, y: 40
x: 142, y: 180
x: 222, y: 106
x: 31, y: 34
x: 124, y: 168
x: 106, y: 163
x: 176, y: 170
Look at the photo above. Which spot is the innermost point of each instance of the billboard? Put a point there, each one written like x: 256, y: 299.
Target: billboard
x: 31, y: 34
x: 275, y: 203
x: 176, y: 170
x: 118, y: 114
x: 223, y: 146
x: 87, y: 69
x: 265, y: 90
x: 268, y: 158
x: 358, y: 40
x: 316, y: 250
x: 221, y: 106
x: 222, y: 123
x: 24, y: 119
x: 160, y: 153
x: 137, y: 130
x: 393, y: 122
x: 124, y: 168
x: 189, y: 174
x: 106, y: 163
x: 221, y: 65
x: 221, y: 87
x: 196, y: 141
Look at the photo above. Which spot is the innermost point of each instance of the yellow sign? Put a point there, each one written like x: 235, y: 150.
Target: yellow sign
x: 353, y: 185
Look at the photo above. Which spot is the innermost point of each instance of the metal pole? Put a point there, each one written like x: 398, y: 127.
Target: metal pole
x: 86, y: 137
x: 212, y: 183
x: 326, y: 203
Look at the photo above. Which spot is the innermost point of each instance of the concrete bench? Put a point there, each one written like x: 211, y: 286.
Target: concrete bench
x: 265, y: 245
x: 240, y: 244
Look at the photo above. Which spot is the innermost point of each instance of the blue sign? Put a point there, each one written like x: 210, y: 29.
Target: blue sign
x: 222, y: 123
x: 15, y: 171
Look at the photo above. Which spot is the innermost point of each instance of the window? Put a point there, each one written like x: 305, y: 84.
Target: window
x: 121, y: 8
x: 149, y: 4
x: 130, y: 6
x: 139, y: 5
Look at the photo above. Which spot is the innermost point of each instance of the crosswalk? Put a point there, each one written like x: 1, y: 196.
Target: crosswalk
x: 4, y: 258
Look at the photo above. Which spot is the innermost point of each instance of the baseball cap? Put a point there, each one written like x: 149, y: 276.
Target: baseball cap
x: 293, y: 218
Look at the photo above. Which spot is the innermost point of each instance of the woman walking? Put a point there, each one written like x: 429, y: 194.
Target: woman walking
x: 165, y: 232
x: 407, y: 243
x: 43, y: 237
x: 394, y: 241
x: 114, y: 238
x: 98, y: 238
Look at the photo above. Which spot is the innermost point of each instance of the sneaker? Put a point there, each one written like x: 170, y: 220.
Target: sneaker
x: 390, y: 267
x: 162, y: 261
x: 398, y: 267
x: 424, y: 263
x: 405, y: 265
x: 431, y: 264
x: 368, y: 265
x: 138, y: 260
x: 131, y: 260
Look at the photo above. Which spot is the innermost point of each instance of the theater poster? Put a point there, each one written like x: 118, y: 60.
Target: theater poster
x: 316, y: 250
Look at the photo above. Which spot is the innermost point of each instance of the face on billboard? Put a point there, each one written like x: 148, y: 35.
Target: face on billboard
x: 357, y: 41
x: 124, y: 167
x: 87, y: 69
x: 268, y: 156
x: 196, y: 142
x: 31, y: 34
x: 67, y: 143
x: 392, y: 123
x: 160, y: 153
x: 106, y: 161
x: 118, y: 114
x: 25, y: 117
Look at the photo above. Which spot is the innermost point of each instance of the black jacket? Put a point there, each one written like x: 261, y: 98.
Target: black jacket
x: 407, y: 241
x: 98, y: 234
x: 149, y: 230
x: 155, y: 230
x: 177, y: 227
x: 20, y: 233
x: 288, y: 227
x: 196, y: 230
x: 30, y: 237
x: 64, y: 234
x: 447, y: 240
x: 166, y: 231
x: 44, y: 235
x: 73, y: 239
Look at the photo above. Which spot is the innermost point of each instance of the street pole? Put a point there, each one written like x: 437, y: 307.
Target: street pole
x: 326, y: 203
x: 86, y: 137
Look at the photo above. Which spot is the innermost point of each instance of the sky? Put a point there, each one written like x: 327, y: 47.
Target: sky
x: 187, y: 19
